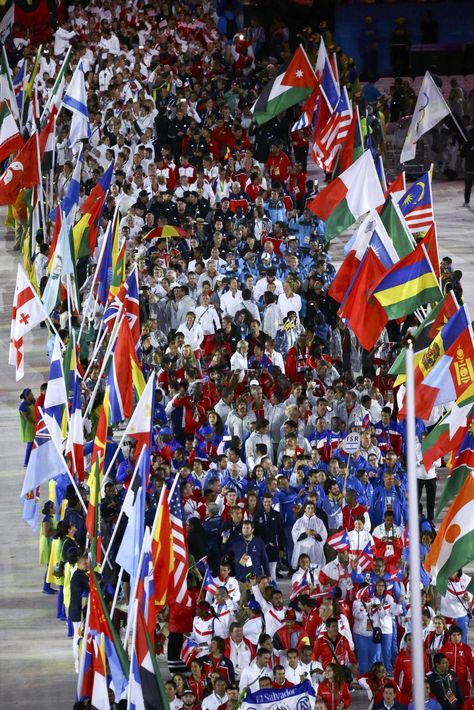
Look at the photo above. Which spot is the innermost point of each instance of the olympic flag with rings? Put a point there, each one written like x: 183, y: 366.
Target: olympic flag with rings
x: 429, y: 110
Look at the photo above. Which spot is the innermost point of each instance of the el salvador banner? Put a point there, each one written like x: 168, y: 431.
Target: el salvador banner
x: 298, y: 697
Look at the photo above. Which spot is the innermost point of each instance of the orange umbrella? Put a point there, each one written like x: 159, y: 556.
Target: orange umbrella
x: 166, y: 232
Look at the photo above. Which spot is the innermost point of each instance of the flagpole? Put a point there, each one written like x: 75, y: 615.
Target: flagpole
x: 94, y: 281
x: 142, y: 552
x: 82, y: 661
x: 57, y: 82
x: 417, y: 650
x: 61, y: 455
x: 121, y: 511
x: 117, y: 589
x: 134, y: 635
x: 104, y: 363
x: 38, y: 157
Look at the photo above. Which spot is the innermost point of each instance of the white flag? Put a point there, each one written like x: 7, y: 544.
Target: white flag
x: 27, y: 312
x: 429, y: 110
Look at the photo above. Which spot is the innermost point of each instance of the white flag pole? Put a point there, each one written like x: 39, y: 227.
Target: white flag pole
x: 417, y: 649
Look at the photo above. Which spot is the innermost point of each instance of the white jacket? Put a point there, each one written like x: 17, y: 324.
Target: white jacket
x: 453, y: 604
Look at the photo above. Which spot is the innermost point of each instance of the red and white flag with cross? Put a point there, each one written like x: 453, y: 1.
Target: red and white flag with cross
x: 27, y: 312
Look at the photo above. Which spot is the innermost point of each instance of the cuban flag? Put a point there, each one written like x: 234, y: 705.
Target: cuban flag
x: 339, y: 541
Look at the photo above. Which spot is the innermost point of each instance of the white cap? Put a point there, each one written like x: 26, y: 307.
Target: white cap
x: 254, y: 383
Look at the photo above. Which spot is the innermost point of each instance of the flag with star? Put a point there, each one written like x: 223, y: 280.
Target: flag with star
x: 294, y: 82
x: 449, y: 432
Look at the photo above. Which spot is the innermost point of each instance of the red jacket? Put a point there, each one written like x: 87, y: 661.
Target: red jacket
x: 323, y: 651
x: 403, y: 674
x: 461, y: 659
x: 181, y: 616
x: 332, y: 695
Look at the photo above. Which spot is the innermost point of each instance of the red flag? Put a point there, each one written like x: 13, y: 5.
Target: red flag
x: 430, y: 240
x: 22, y: 172
x: 344, y: 276
x: 366, y: 316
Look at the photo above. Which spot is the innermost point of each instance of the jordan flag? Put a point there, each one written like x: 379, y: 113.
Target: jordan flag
x: 27, y: 312
x: 293, y: 83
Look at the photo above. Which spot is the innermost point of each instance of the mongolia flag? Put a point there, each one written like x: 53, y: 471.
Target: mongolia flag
x: 339, y: 541
x: 349, y: 196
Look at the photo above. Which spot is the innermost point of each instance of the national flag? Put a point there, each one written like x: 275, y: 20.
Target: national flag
x: 140, y: 424
x: 104, y: 267
x: 189, y: 650
x: 430, y: 240
x: 461, y: 468
x: 293, y: 83
x: 352, y: 147
x: 75, y: 445
x: 397, y: 187
x: 430, y: 109
x: 208, y: 584
x: 29, y: 503
x: 396, y: 227
x: 448, y: 434
x: 308, y: 111
x: 96, y: 476
x: 6, y: 23
x: 453, y: 546
x: 162, y: 552
x: 119, y: 260
x: 364, y: 313
x: 355, y: 250
x: 7, y: 92
x: 21, y: 172
x: 339, y: 541
x: 55, y: 401
x: 45, y: 461
x: 416, y: 205
x: 327, y: 87
x: 366, y: 558
x: 27, y: 312
x: 70, y: 201
x: 10, y: 138
x: 125, y: 373
x: 326, y: 145
x: 62, y: 266
x: 55, y: 97
x: 445, y: 370
x: 18, y: 83
x: 75, y: 100
x: 348, y: 196
x: 100, y: 623
x: 128, y: 554
x: 145, y: 690
x: 408, y: 284
x: 299, y: 587
x: 180, y: 550
x: 425, y: 334
x: 295, y: 697
x: 100, y: 691
x: 126, y: 301
x: 86, y: 229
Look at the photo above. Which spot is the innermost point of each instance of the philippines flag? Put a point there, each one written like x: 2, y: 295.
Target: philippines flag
x: 339, y: 541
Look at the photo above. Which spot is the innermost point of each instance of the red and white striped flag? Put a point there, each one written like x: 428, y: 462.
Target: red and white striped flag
x: 181, y: 562
x: 27, y: 312
x: 326, y: 145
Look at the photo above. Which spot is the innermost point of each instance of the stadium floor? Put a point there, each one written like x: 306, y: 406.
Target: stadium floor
x: 35, y: 655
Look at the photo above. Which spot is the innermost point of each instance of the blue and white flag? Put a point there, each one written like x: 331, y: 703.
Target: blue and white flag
x: 70, y: 201
x: 297, y: 697
x: 75, y: 100
x: 55, y: 401
x: 44, y: 463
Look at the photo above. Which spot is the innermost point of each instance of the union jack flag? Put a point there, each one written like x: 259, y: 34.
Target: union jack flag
x: 126, y: 302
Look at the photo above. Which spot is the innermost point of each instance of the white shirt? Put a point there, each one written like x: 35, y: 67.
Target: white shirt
x: 192, y: 336
x: 231, y: 303
x: 208, y: 318
x: 238, y: 362
x: 286, y: 304
x: 250, y: 676
x: 213, y: 701
x: 61, y: 40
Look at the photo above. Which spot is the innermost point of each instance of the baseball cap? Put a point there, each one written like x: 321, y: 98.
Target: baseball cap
x: 254, y: 606
x: 290, y: 615
x: 254, y: 383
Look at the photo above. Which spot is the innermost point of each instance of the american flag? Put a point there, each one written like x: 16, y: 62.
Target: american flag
x: 326, y: 145
x: 181, y: 562
x: 416, y: 205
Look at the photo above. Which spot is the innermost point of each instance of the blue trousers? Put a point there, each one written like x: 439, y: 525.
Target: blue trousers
x: 462, y: 622
x: 368, y: 652
x: 387, y: 652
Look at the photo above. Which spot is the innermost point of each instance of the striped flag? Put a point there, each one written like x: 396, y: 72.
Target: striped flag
x: 299, y: 587
x: 10, y: 138
x: 126, y: 299
x: 124, y: 374
x: 55, y: 401
x: 75, y: 443
x: 145, y: 687
x: 181, y: 563
x: 162, y: 552
x: 208, y: 583
x: 416, y: 205
x: 326, y: 145
x: 366, y: 558
x: 339, y: 541
x: 75, y: 100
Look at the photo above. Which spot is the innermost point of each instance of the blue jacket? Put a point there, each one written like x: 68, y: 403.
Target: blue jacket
x: 255, y: 549
x: 379, y: 503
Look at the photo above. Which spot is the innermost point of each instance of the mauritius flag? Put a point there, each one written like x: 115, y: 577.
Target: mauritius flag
x: 293, y: 83
x: 352, y: 194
